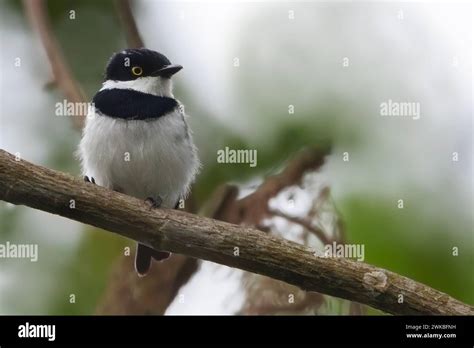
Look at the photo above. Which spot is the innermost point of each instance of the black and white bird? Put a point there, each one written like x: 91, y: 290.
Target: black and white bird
x: 137, y: 140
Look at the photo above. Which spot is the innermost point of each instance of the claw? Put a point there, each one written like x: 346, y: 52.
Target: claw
x: 154, y: 203
x: 91, y: 180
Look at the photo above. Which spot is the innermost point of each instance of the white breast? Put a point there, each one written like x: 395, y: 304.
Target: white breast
x: 140, y: 158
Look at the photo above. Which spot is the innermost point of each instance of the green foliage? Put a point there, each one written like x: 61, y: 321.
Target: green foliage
x: 411, y: 243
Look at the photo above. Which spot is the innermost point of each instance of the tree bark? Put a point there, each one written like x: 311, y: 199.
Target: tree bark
x: 24, y: 183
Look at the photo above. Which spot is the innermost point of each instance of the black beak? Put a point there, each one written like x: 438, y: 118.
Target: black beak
x: 168, y: 70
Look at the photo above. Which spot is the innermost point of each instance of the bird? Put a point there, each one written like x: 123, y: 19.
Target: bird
x: 136, y: 139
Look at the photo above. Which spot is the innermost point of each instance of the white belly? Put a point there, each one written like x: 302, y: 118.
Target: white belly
x: 140, y: 158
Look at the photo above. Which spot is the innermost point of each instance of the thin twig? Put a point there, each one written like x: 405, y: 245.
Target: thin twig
x: 306, y: 223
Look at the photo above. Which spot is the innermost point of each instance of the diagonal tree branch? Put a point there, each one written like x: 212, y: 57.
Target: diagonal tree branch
x: 63, y: 76
x: 24, y: 183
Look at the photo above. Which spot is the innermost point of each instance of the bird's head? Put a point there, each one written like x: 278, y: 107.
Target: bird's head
x: 141, y: 69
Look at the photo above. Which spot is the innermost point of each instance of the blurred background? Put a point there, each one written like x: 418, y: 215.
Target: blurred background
x: 245, y: 64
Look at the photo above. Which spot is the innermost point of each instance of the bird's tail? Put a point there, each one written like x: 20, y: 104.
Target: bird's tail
x: 143, y: 258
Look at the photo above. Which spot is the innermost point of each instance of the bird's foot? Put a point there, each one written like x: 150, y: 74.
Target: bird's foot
x: 91, y: 180
x: 154, y: 203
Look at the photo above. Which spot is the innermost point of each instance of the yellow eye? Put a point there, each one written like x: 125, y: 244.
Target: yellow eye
x: 137, y: 71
